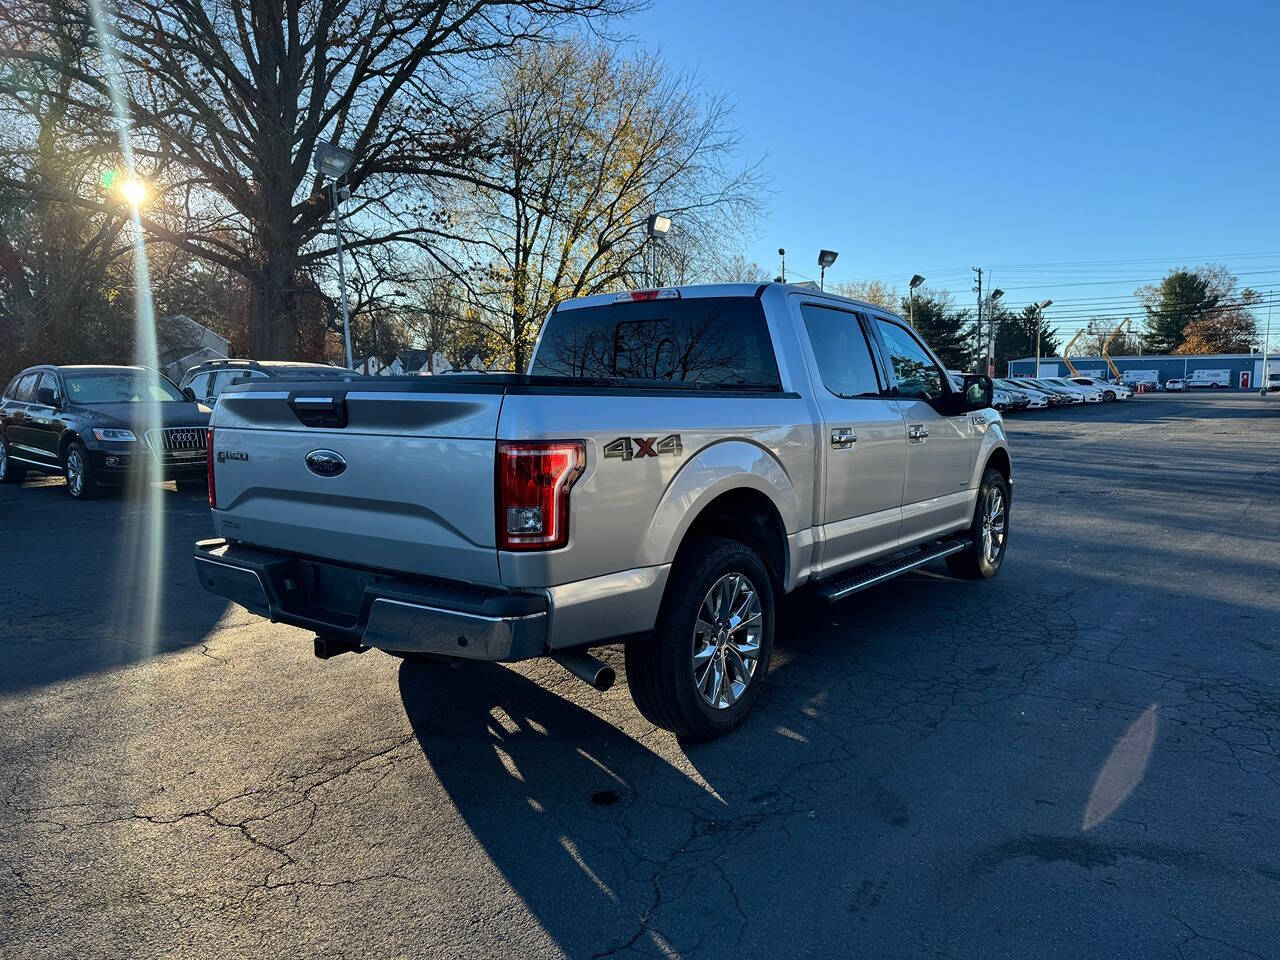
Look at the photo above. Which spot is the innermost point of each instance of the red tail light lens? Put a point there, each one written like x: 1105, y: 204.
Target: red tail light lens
x: 533, y: 486
x: 213, y: 493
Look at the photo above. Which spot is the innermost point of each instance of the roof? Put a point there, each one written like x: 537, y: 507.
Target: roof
x: 697, y: 290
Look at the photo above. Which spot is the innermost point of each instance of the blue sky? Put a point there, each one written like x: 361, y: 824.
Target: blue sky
x: 934, y: 137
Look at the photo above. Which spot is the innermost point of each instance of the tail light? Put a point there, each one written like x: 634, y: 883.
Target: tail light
x: 208, y: 451
x: 533, y: 486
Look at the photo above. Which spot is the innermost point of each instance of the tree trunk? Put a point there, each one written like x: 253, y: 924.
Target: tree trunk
x: 273, y: 315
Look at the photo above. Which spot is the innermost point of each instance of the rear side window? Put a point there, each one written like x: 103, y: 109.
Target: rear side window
x: 26, y: 388
x: 842, y: 352
x: 708, y: 341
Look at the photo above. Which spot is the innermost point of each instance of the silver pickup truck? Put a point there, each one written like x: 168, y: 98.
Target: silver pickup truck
x: 673, y: 461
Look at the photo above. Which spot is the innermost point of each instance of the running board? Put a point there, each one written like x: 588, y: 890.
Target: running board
x: 859, y: 578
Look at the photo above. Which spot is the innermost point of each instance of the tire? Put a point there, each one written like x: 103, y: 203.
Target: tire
x: 664, y: 669
x: 978, y: 561
x: 10, y: 472
x: 78, y: 469
x: 1109, y: 395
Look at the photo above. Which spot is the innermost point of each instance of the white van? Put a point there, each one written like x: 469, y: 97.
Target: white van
x: 1209, y: 378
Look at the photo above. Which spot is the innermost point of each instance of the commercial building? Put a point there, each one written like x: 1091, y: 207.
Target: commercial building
x: 1243, y: 371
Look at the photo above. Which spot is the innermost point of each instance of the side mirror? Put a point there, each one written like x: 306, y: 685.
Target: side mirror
x: 46, y: 397
x: 976, y: 393
x: 189, y: 394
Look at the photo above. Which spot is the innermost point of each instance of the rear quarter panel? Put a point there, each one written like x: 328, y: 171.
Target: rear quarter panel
x: 627, y: 514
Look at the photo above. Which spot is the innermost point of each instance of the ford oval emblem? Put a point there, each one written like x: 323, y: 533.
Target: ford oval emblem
x: 325, y: 463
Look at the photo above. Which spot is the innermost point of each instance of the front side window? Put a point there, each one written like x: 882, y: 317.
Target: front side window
x: 119, y: 386
x: 708, y: 341
x: 842, y: 352
x: 916, y: 373
x: 49, y: 381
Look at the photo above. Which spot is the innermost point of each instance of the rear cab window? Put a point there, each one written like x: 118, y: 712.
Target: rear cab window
x: 714, y: 342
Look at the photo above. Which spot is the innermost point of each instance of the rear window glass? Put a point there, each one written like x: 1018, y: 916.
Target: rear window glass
x: 707, y: 341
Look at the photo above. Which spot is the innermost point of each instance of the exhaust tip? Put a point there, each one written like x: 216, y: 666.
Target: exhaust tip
x: 593, y: 672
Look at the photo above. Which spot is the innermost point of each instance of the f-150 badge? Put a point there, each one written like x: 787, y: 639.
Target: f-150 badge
x: 636, y: 448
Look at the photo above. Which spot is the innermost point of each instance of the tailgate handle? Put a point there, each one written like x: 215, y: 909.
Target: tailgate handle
x: 311, y: 410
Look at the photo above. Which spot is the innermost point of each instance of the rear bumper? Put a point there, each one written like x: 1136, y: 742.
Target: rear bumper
x: 375, y: 610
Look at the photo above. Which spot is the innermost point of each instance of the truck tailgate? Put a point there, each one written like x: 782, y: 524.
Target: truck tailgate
x: 366, y: 474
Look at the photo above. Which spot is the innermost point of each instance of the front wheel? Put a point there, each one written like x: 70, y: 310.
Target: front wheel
x: 79, y: 472
x: 988, y: 534
x: 1109, y: 395
x: 700, y: 672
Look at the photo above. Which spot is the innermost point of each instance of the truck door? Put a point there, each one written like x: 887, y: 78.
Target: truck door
x: 863, y: 447
x: 936, y: 496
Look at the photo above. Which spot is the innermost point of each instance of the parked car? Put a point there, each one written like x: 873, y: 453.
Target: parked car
x: 99, y: 425
x: 1064, y: 397
x: 1110, y: 391
x: 207, y: 380
x: 616, y: 492
x: 1273, y: 383
x: 1176, y: 384
x: 1036, y: 399
x: 1090, y: 394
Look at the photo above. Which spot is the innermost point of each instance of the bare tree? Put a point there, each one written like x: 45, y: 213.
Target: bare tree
x: 226, y: 100
x: 590, y: 144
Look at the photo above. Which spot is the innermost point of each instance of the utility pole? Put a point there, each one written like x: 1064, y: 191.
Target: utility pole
x: 1266, y: 343
x: 978, y: 271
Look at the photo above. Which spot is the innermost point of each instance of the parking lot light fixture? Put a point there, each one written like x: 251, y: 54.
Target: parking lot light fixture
x: 996, y: 294
x: 916, y: 280
x: 1041, y: 307
x: 825, y: 259
x: 332, y: 162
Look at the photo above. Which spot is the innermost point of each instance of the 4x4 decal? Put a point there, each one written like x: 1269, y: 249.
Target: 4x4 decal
x: 636, y: 448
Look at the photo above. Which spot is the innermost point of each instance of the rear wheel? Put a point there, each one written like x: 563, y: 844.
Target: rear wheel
x: 700, y: 672
x: 988, y: 534
x: 10, y: 470
x: 79, y: 472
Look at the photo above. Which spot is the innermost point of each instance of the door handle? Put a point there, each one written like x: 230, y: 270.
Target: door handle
x: 842, y: 438
x: 917, y: 433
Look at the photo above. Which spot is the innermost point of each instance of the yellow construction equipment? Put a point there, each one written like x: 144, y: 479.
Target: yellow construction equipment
x: 1115, y: 371
x: 1066, y: 353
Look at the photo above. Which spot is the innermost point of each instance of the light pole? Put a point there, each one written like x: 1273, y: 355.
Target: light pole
x: 1266, y: 343
x: 990, y: 345
x: 657, y: 226
x: 916, y: 280
x: 825, y: 259
x: 783, y: 276
x: 1041, y: 307
x: 332, y: 161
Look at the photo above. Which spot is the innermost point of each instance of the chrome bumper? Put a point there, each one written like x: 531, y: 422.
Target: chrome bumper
x: 362, y: 608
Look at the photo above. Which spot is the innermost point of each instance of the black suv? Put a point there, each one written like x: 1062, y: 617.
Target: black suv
x: 206, y: 381
x: 99, y: 425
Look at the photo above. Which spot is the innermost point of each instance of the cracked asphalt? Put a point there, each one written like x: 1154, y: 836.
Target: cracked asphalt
x: 1076, y: 759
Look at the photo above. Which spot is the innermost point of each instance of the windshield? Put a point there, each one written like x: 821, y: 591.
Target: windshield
x: 119, y: 386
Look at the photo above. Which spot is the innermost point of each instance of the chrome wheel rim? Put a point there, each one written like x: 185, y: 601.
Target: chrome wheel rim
x: 726, y: 641
x: 75, y: 472
x: 994, y: 519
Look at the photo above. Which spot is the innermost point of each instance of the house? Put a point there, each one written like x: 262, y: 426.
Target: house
x: 181, y: 343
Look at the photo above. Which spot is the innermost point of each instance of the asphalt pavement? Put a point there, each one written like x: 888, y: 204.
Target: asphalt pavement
x: 1075, y: 759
